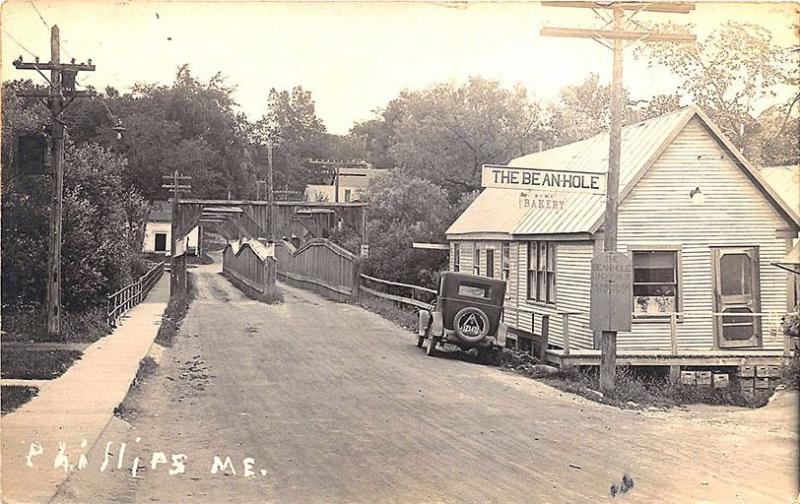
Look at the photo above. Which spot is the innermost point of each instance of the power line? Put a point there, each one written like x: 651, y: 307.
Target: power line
x: 40, y: 15
x: 20, y: 44
x: 47, y: 25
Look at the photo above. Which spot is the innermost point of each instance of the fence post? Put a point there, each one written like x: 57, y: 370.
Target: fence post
x: 545, y: 338
x: 673, y: 333
x: 565, y: 326
x: 354, y: 290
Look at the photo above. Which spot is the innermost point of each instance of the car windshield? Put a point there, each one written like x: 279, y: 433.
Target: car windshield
x: 475, y: 291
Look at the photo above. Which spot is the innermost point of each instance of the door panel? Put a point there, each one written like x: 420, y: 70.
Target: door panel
x: 735, y: 271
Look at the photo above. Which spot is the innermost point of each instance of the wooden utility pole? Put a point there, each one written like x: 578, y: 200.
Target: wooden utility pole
x: 175, y: 187
x: 618, y: 34
x: 61, y: 94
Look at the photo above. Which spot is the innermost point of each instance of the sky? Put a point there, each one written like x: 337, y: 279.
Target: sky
x: 353, y: 57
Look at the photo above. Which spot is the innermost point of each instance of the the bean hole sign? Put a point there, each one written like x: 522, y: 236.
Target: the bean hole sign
x: 611, y: 292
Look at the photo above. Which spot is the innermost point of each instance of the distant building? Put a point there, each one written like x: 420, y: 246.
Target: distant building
x: 701, y: 224
x: 353, y: 184
x: 158, y: 230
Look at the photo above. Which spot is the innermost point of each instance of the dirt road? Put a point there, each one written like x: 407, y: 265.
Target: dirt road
x: 335, y: 404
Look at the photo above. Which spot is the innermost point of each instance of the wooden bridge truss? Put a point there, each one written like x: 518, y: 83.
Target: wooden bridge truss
x: 298, y: 221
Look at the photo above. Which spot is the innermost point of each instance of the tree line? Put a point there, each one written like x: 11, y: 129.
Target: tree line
x: 434, y: 139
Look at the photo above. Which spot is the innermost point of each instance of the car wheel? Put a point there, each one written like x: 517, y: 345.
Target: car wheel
x: 471, y: 324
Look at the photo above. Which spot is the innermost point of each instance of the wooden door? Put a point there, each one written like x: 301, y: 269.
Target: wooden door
x: 736, y: 291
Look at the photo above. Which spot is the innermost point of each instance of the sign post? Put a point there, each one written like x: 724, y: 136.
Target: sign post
x: 611, y: 292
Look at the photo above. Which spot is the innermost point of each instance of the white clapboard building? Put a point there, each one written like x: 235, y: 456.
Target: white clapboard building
x: 158, y: 231
x: 703, y: 229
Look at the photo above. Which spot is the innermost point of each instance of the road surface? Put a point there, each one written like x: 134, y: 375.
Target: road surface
x: 335, y: 404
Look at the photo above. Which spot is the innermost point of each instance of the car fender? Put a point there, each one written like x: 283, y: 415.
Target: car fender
x: 437, y: 325
x: 424, y: 322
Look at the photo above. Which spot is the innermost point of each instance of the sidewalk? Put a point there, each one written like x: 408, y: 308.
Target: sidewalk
x: 76, y: 406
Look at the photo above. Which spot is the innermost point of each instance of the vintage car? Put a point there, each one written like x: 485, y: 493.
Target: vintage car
x: 466, y: 313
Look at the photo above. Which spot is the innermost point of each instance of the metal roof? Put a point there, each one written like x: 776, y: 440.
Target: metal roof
x: 785, y: 180
x: 498, y: 210
x: 641, y: 142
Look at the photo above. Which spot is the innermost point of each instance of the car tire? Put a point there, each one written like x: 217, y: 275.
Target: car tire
x: 471, y: 315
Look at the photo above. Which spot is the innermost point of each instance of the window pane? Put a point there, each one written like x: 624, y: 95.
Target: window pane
x: 473, y: 291
x: 654, y: 266
x: 738, y: 328
x: 551, y: 287
x: 542, y: 256
x: 531, y: 284
x: 654, y: 304
x: 735, y: 274
x: 654, y: 289
x: 531, y: 256
x: 541, y: 281
x: 551, y: 257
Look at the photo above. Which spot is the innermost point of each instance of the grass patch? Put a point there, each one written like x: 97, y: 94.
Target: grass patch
x: 126, y: 409
x: 404, y: 317
x: 174, y: 314
x: 34, y: 364
x: 31, y: 325
x: 645, y: 387
x: 12, y: 397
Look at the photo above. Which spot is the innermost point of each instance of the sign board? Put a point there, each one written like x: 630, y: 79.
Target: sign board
x: 542, y: 201
x: 31, y: 154
x: 543, y: 179
x: 611, y: 292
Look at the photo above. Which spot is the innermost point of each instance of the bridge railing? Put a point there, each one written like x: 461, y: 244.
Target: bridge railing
x: 251, y: 268
x: 132, y: 294
x: 319, y: 265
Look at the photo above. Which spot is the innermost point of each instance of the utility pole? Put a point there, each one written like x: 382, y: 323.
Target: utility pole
x: 60, y: 95
x: 175, y: 187
x: 618, y: 34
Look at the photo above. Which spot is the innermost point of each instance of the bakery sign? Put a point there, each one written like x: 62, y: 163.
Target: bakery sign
x: 543, y: 179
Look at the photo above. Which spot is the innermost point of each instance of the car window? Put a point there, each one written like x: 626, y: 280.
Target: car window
x: 475, y: 291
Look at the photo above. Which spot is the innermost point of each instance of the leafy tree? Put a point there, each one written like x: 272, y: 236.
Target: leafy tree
x: 404, y: 209
x: 582, y: 110
x: 729, y: 74
x: 446, y: 133
x: 296, y: 133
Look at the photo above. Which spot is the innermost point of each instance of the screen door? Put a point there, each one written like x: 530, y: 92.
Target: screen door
x: 736, y: 295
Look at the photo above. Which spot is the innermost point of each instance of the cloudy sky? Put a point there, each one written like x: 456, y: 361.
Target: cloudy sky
x: 354, y: 57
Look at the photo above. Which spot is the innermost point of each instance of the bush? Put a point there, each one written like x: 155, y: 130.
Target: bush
x: 102, y: 223
x: 791, y: 372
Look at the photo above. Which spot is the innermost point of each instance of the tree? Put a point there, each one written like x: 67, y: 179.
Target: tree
x: 582, y: 110
x: 296, y: 133
x: 729, y: 74
x: 446, y: 133
x: 404, y: 209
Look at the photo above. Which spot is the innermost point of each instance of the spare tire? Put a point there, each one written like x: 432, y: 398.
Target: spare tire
x: 471, y: 324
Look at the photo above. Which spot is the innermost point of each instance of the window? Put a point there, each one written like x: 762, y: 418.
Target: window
x: 456, y: 256
x: 347, y: 194
x: 490, y: 263
x: 655, y: 282
x: 476, y: 291
x: 505, y: 259
x: 476, y: 260
x: 542, y: 271
x: 161, y: 242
